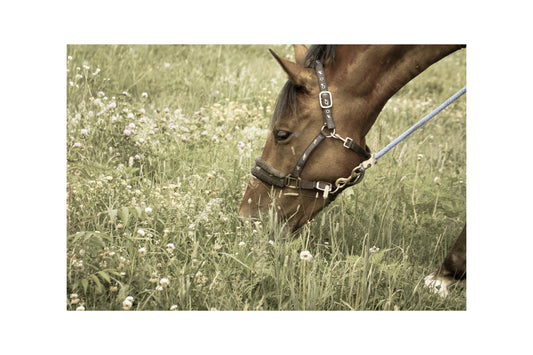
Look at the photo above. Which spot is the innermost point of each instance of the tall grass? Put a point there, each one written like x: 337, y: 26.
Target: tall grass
x: 160, y: 143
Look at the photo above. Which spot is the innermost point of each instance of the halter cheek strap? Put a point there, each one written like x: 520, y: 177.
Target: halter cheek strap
x: 324, y: 97
x: 264, y: 172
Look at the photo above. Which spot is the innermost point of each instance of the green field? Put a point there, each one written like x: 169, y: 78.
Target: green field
x: 160, y: 142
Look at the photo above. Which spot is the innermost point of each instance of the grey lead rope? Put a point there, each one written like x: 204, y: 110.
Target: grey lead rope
x: 419, y: 124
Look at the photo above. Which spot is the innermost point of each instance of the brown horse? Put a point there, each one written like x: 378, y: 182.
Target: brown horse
x: 313, y: 149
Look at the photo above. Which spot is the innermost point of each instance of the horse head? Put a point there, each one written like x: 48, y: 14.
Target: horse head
x: 298, y: 121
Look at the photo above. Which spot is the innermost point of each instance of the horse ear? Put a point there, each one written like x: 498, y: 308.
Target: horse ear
x: 295, y: 71
x: 299, y: 53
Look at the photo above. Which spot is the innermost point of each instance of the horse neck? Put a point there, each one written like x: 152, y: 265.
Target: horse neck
x: 373, y: 74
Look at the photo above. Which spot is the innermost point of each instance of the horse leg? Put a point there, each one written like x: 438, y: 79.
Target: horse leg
x: 452, y: 269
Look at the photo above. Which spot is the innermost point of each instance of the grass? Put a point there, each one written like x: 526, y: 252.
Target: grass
x: 160, y: 141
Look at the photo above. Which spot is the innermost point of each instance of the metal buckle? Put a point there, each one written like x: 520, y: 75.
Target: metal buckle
x: 347, y: 142
x: 289, y: 179
x: 320, y: 188
x: 325, y: 103
x: 326, y: 189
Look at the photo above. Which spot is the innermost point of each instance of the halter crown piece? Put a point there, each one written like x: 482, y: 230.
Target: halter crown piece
x: 271, y: 176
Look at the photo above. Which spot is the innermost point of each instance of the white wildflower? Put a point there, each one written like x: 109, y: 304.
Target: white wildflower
x: 126, y: 305
x: 306, y: 255
x: 170, y: 247
x: 164, y: 282
x: 128, y: 302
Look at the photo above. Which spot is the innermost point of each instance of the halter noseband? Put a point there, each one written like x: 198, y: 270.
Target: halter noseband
x: 271, y: 176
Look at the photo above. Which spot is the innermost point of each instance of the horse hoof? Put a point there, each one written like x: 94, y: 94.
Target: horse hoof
x: 437, y: 284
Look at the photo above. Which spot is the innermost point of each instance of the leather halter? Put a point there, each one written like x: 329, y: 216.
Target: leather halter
x: 271, y: 176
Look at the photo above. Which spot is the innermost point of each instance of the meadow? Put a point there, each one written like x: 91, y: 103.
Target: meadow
x: 160, y: 142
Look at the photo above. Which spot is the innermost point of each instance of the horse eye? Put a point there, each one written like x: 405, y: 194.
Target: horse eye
x: 282, y: 136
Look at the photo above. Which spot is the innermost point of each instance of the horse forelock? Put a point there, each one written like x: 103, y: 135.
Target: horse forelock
x: 286, y: 101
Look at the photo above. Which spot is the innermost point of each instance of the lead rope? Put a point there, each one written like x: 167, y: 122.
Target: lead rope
x: 360, y: 169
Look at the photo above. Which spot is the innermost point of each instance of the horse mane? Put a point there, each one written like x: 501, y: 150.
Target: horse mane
x: 324, y: 53
x: 287, y: 97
